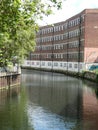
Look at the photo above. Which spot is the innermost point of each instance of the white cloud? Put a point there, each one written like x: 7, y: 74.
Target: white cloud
x: 69, y: 9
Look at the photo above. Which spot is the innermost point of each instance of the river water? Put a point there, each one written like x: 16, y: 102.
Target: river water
x: 49, y: 101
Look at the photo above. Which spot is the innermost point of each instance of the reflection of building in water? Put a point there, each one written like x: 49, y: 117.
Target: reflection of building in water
x: 90, y: 109
x: 54, y: 100
x: 62, y: 95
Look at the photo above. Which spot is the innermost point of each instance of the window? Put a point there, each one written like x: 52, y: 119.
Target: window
x: 75, y: 65
x: 61, y: 46
x: 82, y: 17
x: 55, y: 64
x: 65, y: 56
x: 80, y: 66
x: 49, y: 63
x: 70, y: 65
x: 43, y: 63
x: 61, y: 64
x: 32, y: 63
x: 37, y: 63
x: 64, y: 64
x: 28, y: 63
x: 65, y: 26
x: 61, y: 56
x: 56, y: 56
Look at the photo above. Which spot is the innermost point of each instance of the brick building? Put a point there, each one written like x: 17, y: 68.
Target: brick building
x: 69, y: 45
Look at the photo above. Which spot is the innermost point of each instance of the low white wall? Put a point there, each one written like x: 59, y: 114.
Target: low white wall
x: 56, y: 65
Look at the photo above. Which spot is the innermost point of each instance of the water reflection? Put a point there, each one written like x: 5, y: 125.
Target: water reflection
x: 42, y: 119
x: 61, y: 102
x: 9, y: 100
x: 96, y: 92
x: 58, y: 100
x: 49, y: 101
x: 90, y: 109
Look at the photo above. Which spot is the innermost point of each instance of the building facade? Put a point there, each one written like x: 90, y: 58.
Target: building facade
x: 69, y: 45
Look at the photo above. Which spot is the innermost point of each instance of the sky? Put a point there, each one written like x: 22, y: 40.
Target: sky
x: 69, y: 9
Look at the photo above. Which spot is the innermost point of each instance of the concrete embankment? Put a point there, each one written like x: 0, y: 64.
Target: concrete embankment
x: 90, y: 76
x: 84, y: 75
x: 8, y: 80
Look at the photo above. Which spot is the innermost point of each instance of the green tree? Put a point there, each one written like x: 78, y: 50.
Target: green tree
x: 18, y: 26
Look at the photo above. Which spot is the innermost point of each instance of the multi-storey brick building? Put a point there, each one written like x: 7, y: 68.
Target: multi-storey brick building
x: 69, y: 45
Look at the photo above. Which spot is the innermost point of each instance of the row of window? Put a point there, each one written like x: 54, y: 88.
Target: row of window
x: 76, y: 21
x: 64, y: 26
x: 74, y: 44
x: 67, y: 35
x: 51, y: 56
x: 75, y: 33
x: 51, y: 29
x: 56, y: 64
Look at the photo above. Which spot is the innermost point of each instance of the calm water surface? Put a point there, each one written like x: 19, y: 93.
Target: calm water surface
x: 49, y: 101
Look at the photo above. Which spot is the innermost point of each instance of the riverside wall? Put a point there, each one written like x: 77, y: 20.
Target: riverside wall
x: 8, y: 80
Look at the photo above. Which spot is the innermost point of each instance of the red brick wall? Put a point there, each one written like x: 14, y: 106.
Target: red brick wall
x: 91, y: 37
x: 88, y: 27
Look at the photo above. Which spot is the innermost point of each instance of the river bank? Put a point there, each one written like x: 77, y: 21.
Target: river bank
x: 8, y: 80
x: 92, y: 76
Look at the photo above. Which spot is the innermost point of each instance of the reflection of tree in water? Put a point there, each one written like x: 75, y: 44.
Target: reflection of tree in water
x: 96, y: 92
x: 12, y: 110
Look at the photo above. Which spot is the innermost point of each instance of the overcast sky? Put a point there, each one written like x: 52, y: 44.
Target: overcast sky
x: 69, y: 9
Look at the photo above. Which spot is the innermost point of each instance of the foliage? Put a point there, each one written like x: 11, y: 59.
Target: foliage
x: 18, y: 26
